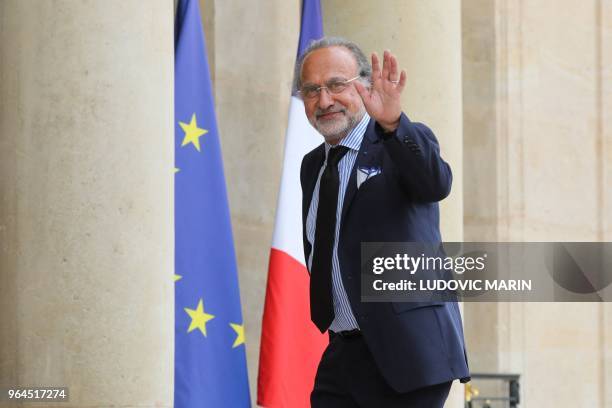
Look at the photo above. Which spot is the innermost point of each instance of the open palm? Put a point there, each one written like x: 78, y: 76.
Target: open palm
x: 382, y: 98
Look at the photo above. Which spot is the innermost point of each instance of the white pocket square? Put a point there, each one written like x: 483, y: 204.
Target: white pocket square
x: 365, y: 173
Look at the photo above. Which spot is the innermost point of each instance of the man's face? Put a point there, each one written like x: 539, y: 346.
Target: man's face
x: 333, y: 115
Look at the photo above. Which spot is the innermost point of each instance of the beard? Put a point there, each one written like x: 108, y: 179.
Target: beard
x: 338, y: 125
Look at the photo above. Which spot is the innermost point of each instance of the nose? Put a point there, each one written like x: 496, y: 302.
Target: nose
x: 325, y: 99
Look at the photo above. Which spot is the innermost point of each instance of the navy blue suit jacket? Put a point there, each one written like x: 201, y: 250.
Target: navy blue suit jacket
x: 414, y: 344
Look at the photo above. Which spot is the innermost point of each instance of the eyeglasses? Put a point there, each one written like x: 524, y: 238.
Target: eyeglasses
x: 333, y: 87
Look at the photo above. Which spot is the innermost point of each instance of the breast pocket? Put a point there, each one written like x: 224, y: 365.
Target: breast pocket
x: 374, y: 184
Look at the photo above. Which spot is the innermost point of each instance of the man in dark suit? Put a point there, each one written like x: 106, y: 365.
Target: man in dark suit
x: 378, y: 177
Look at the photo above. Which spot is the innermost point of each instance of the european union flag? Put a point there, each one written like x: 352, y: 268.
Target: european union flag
x: 210, y: 361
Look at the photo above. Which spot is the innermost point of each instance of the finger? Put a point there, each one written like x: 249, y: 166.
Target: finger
x: 393, y: 74
x: 375, y: 66
x: 402, y: 81
x: 385, y: 67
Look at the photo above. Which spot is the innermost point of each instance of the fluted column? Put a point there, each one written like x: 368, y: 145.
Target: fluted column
x: 86, y: 199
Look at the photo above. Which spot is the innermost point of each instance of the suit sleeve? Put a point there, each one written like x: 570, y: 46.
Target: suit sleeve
x: 415, y: 154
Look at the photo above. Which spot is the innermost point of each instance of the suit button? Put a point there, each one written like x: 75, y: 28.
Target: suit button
x: 349, y: 277
x: 406, y: 140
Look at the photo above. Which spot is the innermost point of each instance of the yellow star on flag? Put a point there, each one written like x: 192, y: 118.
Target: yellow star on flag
x: 177, y: 277
x: 198, y: 318
x: 176, y: 170
x: 239, y: 329
x: 192, y: 132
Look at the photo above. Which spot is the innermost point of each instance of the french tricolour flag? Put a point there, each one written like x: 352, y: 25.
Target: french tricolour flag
x: 291, y: 345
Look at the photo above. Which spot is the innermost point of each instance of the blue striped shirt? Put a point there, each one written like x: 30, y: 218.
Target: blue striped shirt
x: 344, y: 319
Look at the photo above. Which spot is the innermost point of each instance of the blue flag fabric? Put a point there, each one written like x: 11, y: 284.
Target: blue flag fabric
x: 210, y: 360
x: 311, y: 25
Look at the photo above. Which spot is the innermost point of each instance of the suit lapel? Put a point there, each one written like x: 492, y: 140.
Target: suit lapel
x: 312, y: 172
x: 364, y: 158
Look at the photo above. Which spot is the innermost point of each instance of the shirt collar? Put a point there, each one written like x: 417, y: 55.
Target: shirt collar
x: 355, y: 136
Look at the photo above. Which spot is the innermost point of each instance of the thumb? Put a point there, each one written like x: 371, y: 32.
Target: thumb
x: 363, y: 91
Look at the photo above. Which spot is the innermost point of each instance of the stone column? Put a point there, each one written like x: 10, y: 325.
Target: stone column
x: 426, y: 38
x: 86, y: 199
x: 537, y: 82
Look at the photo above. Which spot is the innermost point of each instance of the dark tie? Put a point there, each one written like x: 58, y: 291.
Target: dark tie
x: 321, y: 298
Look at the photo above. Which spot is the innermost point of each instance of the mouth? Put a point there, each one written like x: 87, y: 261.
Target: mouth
x: 329, y: 115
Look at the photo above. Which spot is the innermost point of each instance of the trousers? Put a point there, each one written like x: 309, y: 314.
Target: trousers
x: 347, y: 376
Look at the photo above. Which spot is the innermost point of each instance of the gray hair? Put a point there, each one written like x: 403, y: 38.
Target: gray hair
x: 363, y: 65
